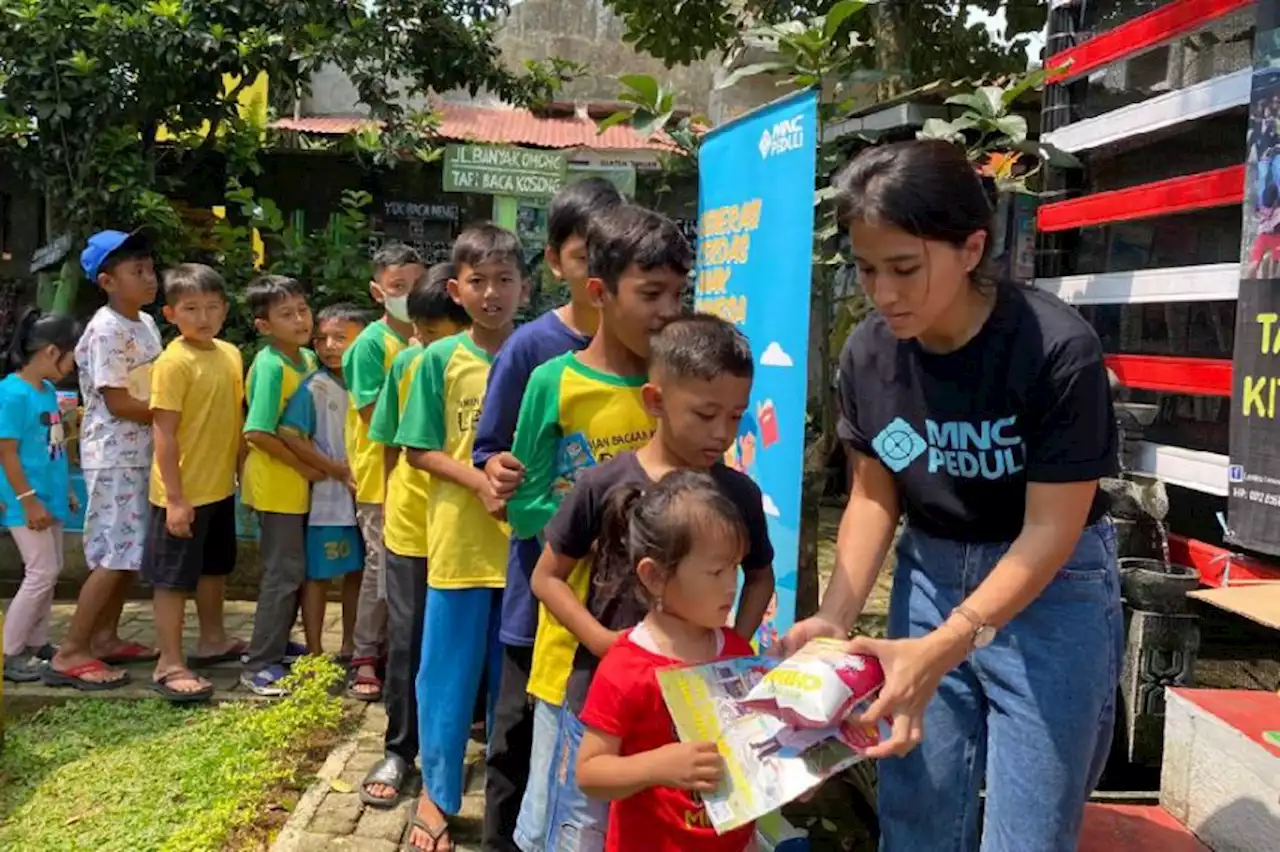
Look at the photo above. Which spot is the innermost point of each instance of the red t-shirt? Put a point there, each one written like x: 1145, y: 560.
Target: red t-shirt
x: 625, y: 701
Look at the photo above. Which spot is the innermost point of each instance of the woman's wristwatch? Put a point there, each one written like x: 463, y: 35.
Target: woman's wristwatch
x: 983, y: 633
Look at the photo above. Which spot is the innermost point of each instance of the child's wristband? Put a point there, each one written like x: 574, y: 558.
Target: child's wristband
x: 25, y: 494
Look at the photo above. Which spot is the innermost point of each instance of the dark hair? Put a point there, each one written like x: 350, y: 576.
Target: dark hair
x: 925, y: 187
x: 629, y: 234
x: 267, y: 290
x: 124, y: 255
x: 487, y: 243
x: 394, y: 254
x: 343, y: 312
x: 35, y: 330
x: 576, y: 205
x: 190, y: 279
x: 701, y: 346
x: 429, y: 298
x: 659, y: 523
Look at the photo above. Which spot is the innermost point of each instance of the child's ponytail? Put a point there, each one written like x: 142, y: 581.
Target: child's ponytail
x: 614, y: 573
x: 34, y: 331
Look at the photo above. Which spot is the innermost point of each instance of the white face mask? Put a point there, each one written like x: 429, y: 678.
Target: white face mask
x: 397, y: 307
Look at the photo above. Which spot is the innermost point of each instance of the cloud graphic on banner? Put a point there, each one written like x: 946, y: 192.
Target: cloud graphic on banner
x: 770, y: 507
x: 774, y: 356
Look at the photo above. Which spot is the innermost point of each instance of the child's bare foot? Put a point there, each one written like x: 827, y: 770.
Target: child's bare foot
x: 229, y: 650
x: 117, y: 652
x: 83, y: 671
x: 181, y: 685
x: 428, y: 828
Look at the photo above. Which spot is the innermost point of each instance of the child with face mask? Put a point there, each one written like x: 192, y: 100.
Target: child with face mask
x: 365, y: 366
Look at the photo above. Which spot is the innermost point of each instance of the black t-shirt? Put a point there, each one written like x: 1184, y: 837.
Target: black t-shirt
x: 1026, y: 400
x: 576, y: 526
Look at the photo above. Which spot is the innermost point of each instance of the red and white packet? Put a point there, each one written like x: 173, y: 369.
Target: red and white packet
x: 819, y: 687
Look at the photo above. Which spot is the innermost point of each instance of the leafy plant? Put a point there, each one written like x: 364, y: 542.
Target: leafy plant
x: 996, y: 137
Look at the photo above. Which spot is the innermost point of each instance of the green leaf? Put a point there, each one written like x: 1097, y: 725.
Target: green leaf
x: 837, y: 15
x: 645, y: 86
x: 993, y: 96
x: 620, y: 117
x: 1033, y: 79
x: 746, y: 71
x: 1013, y: 126
x: 937, y: 128
x: 972, y: 100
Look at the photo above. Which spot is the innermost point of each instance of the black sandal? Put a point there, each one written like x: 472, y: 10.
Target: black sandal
x: 391, y: 771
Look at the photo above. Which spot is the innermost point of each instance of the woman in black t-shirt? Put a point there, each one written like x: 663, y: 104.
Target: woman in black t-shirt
x: 979, y: 411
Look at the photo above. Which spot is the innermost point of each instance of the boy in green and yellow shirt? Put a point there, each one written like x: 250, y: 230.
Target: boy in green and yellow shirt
x: 581, y: 409
x: 365, y: 366
x: 435, y: 316
x: 467, y: 548
x: 276, y: 483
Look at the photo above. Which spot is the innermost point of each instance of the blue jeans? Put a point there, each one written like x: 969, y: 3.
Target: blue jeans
x: 1033, y: 712
x: 531, y: 824
x: 575, y: 823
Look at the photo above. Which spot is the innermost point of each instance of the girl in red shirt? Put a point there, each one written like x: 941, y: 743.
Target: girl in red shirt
x: 685, y: 540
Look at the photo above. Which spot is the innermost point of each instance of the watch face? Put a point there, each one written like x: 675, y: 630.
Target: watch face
x: 984, y: 636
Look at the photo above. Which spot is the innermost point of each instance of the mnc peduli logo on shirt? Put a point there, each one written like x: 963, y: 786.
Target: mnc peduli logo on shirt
x: 986, y: 449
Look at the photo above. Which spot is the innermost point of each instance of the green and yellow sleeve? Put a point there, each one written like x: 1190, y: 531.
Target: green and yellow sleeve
x: 422, y: 426
x: 537, y: 441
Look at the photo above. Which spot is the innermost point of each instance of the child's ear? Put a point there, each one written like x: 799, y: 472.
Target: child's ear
x: 375, y: 292
x: 651, y: 577
x: 262, y: 326
x: 652, y: 396
x: 596, y: 290
x: 103, y: 280
x: 553, y: 262
x: 526, y: 288
x: 167, y: 311
x: 455, y: 290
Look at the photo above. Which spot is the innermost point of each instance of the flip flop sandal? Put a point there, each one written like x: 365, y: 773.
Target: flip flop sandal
x: 391, y: 771
x: 176, y: 696
x: 131, y: 652
x: 436, y: 834
x: 231, y: 655
x: 364, y: 680
x: 74, y: 677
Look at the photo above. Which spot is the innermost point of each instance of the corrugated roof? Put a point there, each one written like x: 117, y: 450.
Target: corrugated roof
x: 497, y: 125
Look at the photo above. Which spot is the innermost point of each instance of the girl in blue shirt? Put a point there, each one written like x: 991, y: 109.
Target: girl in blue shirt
x: 35, y: 490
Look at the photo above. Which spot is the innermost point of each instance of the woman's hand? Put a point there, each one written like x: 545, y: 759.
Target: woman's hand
x: 913, y: 668
x: 814, y: 627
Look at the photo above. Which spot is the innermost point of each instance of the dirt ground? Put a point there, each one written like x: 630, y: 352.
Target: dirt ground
x: 876, y: 612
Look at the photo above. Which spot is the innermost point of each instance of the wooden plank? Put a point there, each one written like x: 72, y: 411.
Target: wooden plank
x: 1258, y: 602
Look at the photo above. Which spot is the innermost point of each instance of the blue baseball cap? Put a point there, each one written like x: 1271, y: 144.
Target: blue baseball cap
x: 106, y: 243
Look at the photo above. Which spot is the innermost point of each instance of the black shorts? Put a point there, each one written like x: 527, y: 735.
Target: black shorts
x: 179, y: 563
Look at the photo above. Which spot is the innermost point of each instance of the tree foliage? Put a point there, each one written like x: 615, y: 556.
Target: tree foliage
x: 936, y: 40
x: 86, y: 86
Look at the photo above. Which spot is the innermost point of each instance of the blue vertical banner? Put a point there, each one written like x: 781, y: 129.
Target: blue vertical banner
x: 755, y: 266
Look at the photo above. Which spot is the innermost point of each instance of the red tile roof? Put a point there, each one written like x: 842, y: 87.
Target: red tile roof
x: 497, y: 125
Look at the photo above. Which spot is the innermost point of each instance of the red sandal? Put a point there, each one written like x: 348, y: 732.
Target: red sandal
x: 355, y: 679
x: 74, y: 677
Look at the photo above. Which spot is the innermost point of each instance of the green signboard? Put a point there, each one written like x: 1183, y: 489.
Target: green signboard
x: 621, y: 176
x: 501, y: 170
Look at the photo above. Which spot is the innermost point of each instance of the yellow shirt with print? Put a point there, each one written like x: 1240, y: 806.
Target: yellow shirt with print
x: 466, y: 548
x: 404, y: 525
x: 205, y: 387
x: 364, y: 368
x: 268, y: 484
x: 571, y: 418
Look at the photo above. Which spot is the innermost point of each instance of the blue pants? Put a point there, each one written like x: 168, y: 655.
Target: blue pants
x: 531, y: 824
x: 459, y: 643
x: 575, y: 823
x: 1033, y: 712
x: 1264, y: 175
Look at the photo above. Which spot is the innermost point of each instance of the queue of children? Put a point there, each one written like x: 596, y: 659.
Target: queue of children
x: 541, y: 514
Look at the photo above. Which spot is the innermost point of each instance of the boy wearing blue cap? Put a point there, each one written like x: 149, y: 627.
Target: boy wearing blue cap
x: 114, y: 360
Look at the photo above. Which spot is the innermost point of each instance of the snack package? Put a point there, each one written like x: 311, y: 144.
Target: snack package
x: 818, y: 687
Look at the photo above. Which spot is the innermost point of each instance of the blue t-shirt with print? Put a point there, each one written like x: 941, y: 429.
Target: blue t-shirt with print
x: 30, y: 417
x: 532, y: 344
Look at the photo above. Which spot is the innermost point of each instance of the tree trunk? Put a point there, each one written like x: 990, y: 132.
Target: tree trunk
x: 893, y: 46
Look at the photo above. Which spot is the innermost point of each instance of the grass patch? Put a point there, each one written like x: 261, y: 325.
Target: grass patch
x: 144, y: 775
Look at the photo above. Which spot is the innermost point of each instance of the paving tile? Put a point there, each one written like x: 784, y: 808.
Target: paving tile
x: 386, y: 824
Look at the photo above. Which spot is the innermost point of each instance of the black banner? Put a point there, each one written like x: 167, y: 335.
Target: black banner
x: 1253, y: 504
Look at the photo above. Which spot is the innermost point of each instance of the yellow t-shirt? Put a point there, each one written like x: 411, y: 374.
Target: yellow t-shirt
x: 364, y: 368
x: 404, y: 524
x: 205, y: 386
x: 268, y: 484
x: 466, y: 548
x: 572, y: 417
